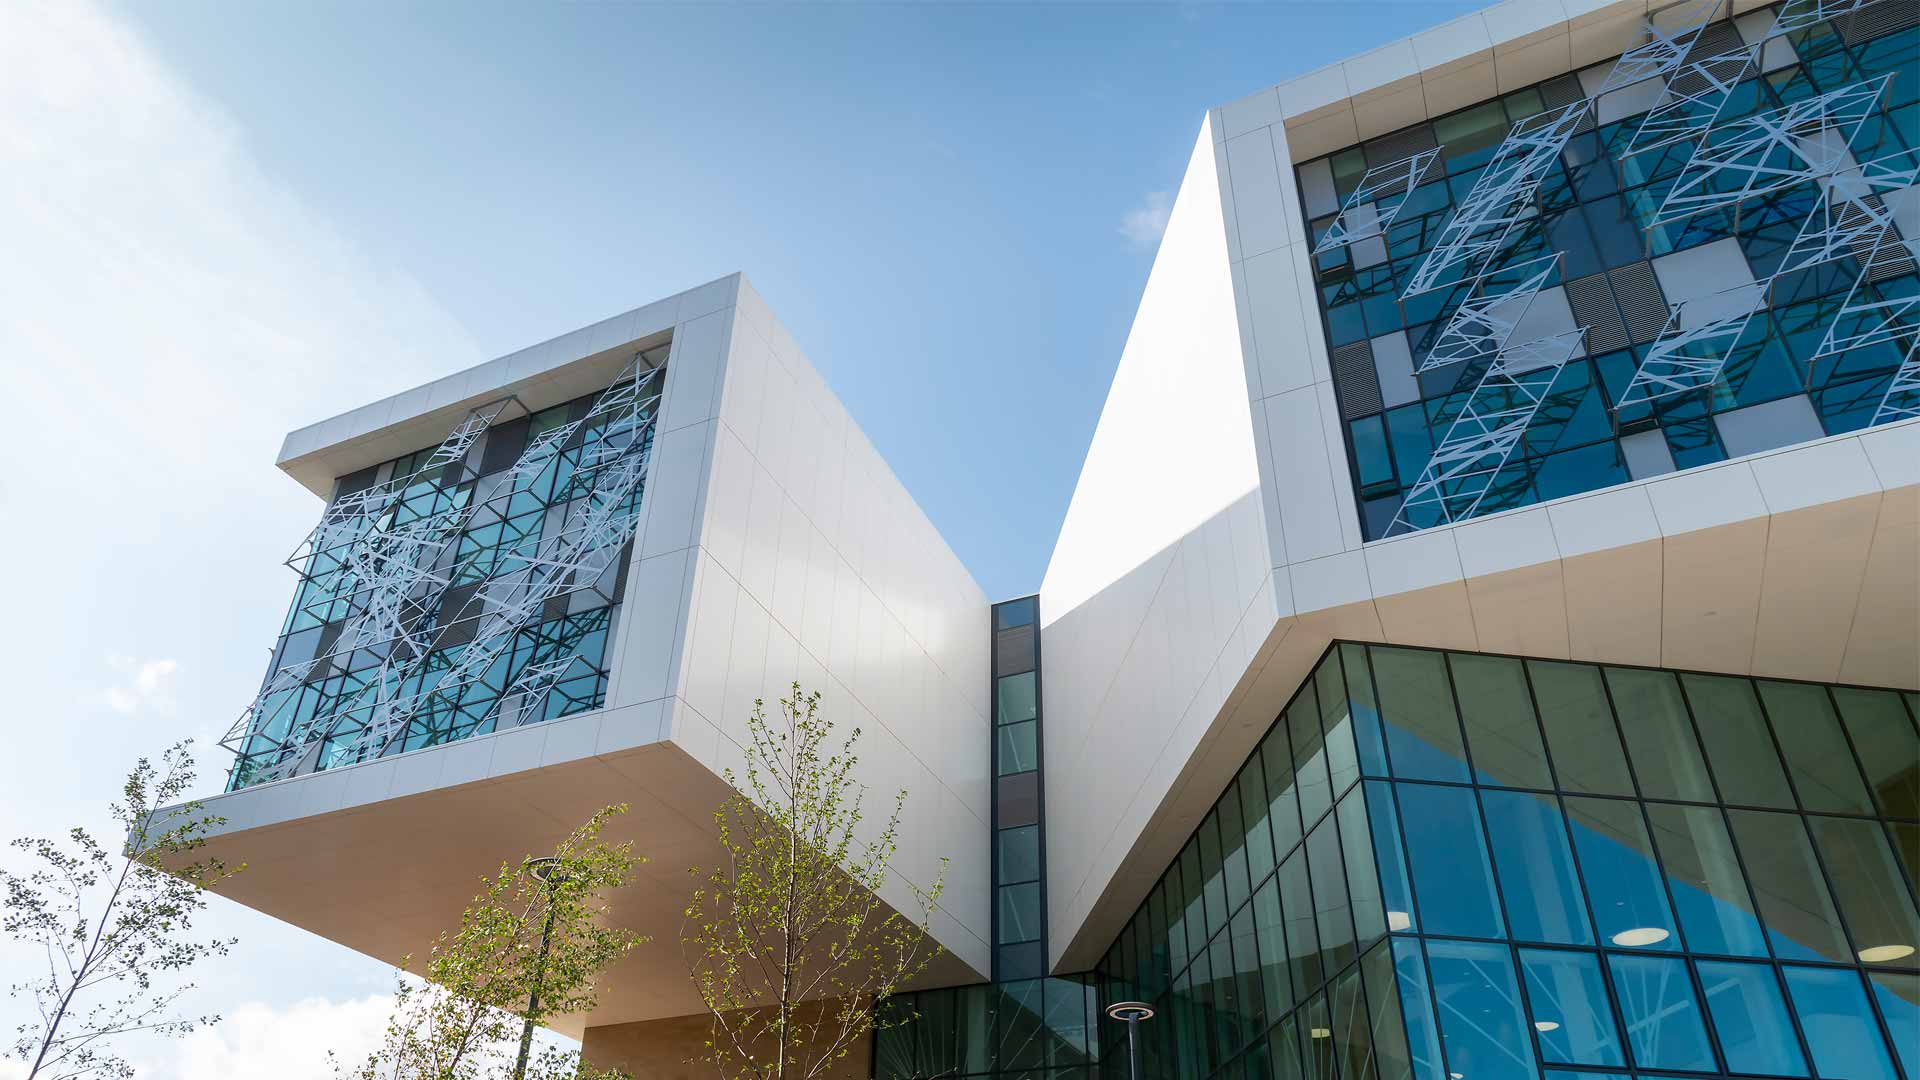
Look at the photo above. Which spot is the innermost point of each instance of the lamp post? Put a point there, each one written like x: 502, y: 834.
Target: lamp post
x: 547, y: 871
x: 1131, y: 1013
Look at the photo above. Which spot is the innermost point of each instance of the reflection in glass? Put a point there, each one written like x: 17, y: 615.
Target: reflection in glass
x: 1366, y: 713
x: 1268, y: 927
x: 1906, y: 845
x: 1352, y: 1041
x: 1480, y: 1015
x: 1423, y: 1037
x: 1659, y: 735
x: 1616, y: 861
x: 1343, y: 761
x: 1296, y: 900
x: 1787, y: 884
x: 1310, y: 757
x: 1884, y: 736
x: 1253, y: 811
x: 1738, y: 742
x: 1416, y: 702
x: 1396, y: 896
x: 1498, y: 714
x: 1019, y: 748
x: 1233, y: 839
x: 1363, y: 885
x: 1750, y: 1017
x: 1019, y: 854
x: 1283, y: 1052
x: 1330, y: 906
x: 1839, y: 1026
x: 1817, y: 754
x: 1276, y: 760
x: 1536, y: 868
x: 1247, y: 991
x: 1016, y: 698
x: 1383, y: 1002
x: 1662, y: 1015
x: 1873, y: 900
x: 1898, y: 995
x: 1708, y: 890
x: 1019, y: 913
x: 1214, y: 883
x: 1580, y: 732
x: 1317, y: 1040
x: 1451, y: 877
x: 1568, y: 1003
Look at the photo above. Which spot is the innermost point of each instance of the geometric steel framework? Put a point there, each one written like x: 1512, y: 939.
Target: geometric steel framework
x: 1665, y: 50
x: 1484, y: 435
x: 1902, y: 399
x: 1853, y: 218
x: 1691, y: 101
x: 1771, y: 151
x: 1493, y: 307
x: 1691, y: 352
x: 1502, y: 197
x: 1359, y: 219
x: 1800, y: 14
x: 441, y: 601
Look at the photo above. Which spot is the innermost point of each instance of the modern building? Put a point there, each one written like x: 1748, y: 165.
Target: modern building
x: 1483, y: 642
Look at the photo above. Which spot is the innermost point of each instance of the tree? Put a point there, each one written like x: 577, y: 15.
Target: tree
x: 530, y: 947
x: 114, y: 924
x: 789, y: 944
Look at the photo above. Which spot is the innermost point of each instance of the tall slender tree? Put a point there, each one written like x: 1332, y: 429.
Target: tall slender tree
x: 788, y: 942
x: 114, y: 925
x: 530, y: 947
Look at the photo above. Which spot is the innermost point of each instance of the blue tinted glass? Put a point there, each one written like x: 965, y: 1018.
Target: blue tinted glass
x: 1568, y: 1001
x: 1750, y: 1017
x: 1616, y: 861
x: 1016, y: 612
x: 1708, y: 889
x: 1898, y: 995
x: 1536, y: 869
x: 1451, y: 878
x: 1423, y: 1041
x: 1662, y: 1015
x: 1416, y: 701
x: 1370, y: 451
x: 1480, y: 1015
x: 1390, y: 856
x: 1839, y: 1024
x: 1366, y: 714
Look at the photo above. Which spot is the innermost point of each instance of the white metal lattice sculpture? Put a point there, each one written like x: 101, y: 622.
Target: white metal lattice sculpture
x: 1362, y: 217
x: 1671, y: 33
x: 1486, y: 318
x: 1691, y: 102
x: 1480, y: 228
x: 1481, y: 439
x: 1693, y: 346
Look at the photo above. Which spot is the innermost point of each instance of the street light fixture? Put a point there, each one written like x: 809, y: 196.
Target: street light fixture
x: 547, y: 871
x: 1131, y: 1013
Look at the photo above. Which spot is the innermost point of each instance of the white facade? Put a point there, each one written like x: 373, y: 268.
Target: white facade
x: 774, y: 546
x: 1164, y: 666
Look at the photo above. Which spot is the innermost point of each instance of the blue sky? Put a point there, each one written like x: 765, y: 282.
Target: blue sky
x: 226, y: 222
x: 931, y: 196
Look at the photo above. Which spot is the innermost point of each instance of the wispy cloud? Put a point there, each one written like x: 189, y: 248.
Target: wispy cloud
x: 1143, y: 224
x: 142, y: 685
x: 256, y: 1040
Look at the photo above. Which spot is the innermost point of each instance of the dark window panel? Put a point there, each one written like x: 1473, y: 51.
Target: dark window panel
x: 1579, y: 726
x: 1213, y: 889
x: 1331, y: 906
x: 1366, y: 712
x: 1873, y: 898
x: 1270, y: 929
x: 1276, y: 760
x: 1884, y: 736
x: 1018, y: 914
x: 1817, y: 755
x: 1789, y: 886
x: 1252, y: 788
x: 1017, y: 801
x: 1738, y: 742
x: 1016, y: 613
x: 1343, y: 763
x: 1363, y: 884
x: 1498, y: 713
x: 1296, y: 903
x: 1666, y: 759
x: 1321, y: 1054
x: 1019, y: 854
x: 1416, y: 702
x: 1013, y: 651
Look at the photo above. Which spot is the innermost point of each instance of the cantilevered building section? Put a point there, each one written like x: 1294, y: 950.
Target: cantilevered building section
x: 1482, y: 643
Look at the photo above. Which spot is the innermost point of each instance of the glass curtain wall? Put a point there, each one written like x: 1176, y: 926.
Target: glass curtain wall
x: 1596, y: 208
x: 1453, y: 866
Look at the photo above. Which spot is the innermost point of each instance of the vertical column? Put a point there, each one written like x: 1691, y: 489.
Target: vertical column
x: 1019, y: 842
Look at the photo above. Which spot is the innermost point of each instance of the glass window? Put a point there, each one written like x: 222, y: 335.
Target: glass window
x: 1213, y: 876
x: 1480, y: 1015
x: 1019, y: 748
x: 1659, y: 735
x: 1416, y: 701
x: 1283, y: 802
x: 1363, y: 885
x: 1016, y: 698
x: 1021, y: 1028
x: 1389, y: 856
x: 1330, y: 905
x: 1310, y: 756
x: 1296, y: 900
x: 1750, y: 1017
x: 1253, y: 811
x: 1616, y: 861
x: 1423, y: 1036
x: 1839, y: 1024
x: 1226, y: 1006
x: 1898, y: 995
x: 1788, y: 886
x: 1247, y: 992
x: 1016, y: 612
x: 1568, y: 1003
x: 1817, y: 754
x: 1708, y: 889
x: 1452, y: 880
x: 1738, y: 742
x: 1580, y: 732
x: 1233, y: 839
x: 1318, y: 1043
x: 1270, y: 930
x: 1389, y: 1032
x: 1662, y: 1015
x: 1873, y: 899
x: 1352, y: 1040
x: 1544, y: 902
x: 1194, y: 910
x: 1019, y: 854
x: 1343, y: 761
x: 1019, y: 913
x: 1498, y: 714
x: 1884, y: 736
x: 1906, y: 845
x: 1366, y: 713
x: 1283, y: 1051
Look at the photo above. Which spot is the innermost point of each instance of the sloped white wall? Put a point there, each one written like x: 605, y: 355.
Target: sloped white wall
x: 787, y: 550
x: 1158, y: 593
